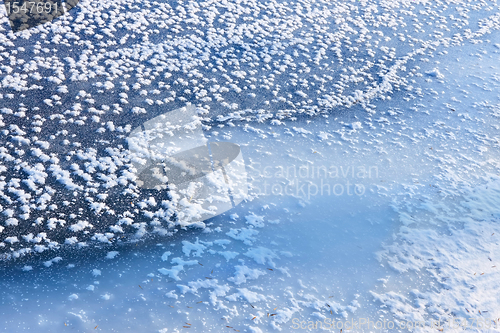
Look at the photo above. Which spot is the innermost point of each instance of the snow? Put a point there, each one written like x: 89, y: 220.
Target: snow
x: 165, y: 255
x: 112, y: 254
x: 243, y: 273
x: 262, y: 255
x: 175, y: 270
x: 196, y: 248
x: 228, y: 254
x: 106, y: 297
x: 365, y: 183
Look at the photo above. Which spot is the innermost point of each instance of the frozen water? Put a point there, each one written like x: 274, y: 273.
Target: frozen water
x: 368, y: 131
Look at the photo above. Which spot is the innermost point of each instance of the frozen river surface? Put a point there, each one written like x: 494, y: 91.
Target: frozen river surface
x: 369, y: 140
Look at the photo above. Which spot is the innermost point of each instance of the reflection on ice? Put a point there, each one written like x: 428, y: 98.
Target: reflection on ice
x: 170, y: 152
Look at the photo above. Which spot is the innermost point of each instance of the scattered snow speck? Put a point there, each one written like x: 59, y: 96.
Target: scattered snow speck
x: 172, y: 294
x: 198, y: 248
x: 256, y: 221
x: 165, y: 255
x: 243, y: 273
x: 248, y: 295
x: 262, y: 255
x: 228, y: 254
x: 254, y: 329
x: 356, y: 125
x: 111, y: 254
x: 435, y: 73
